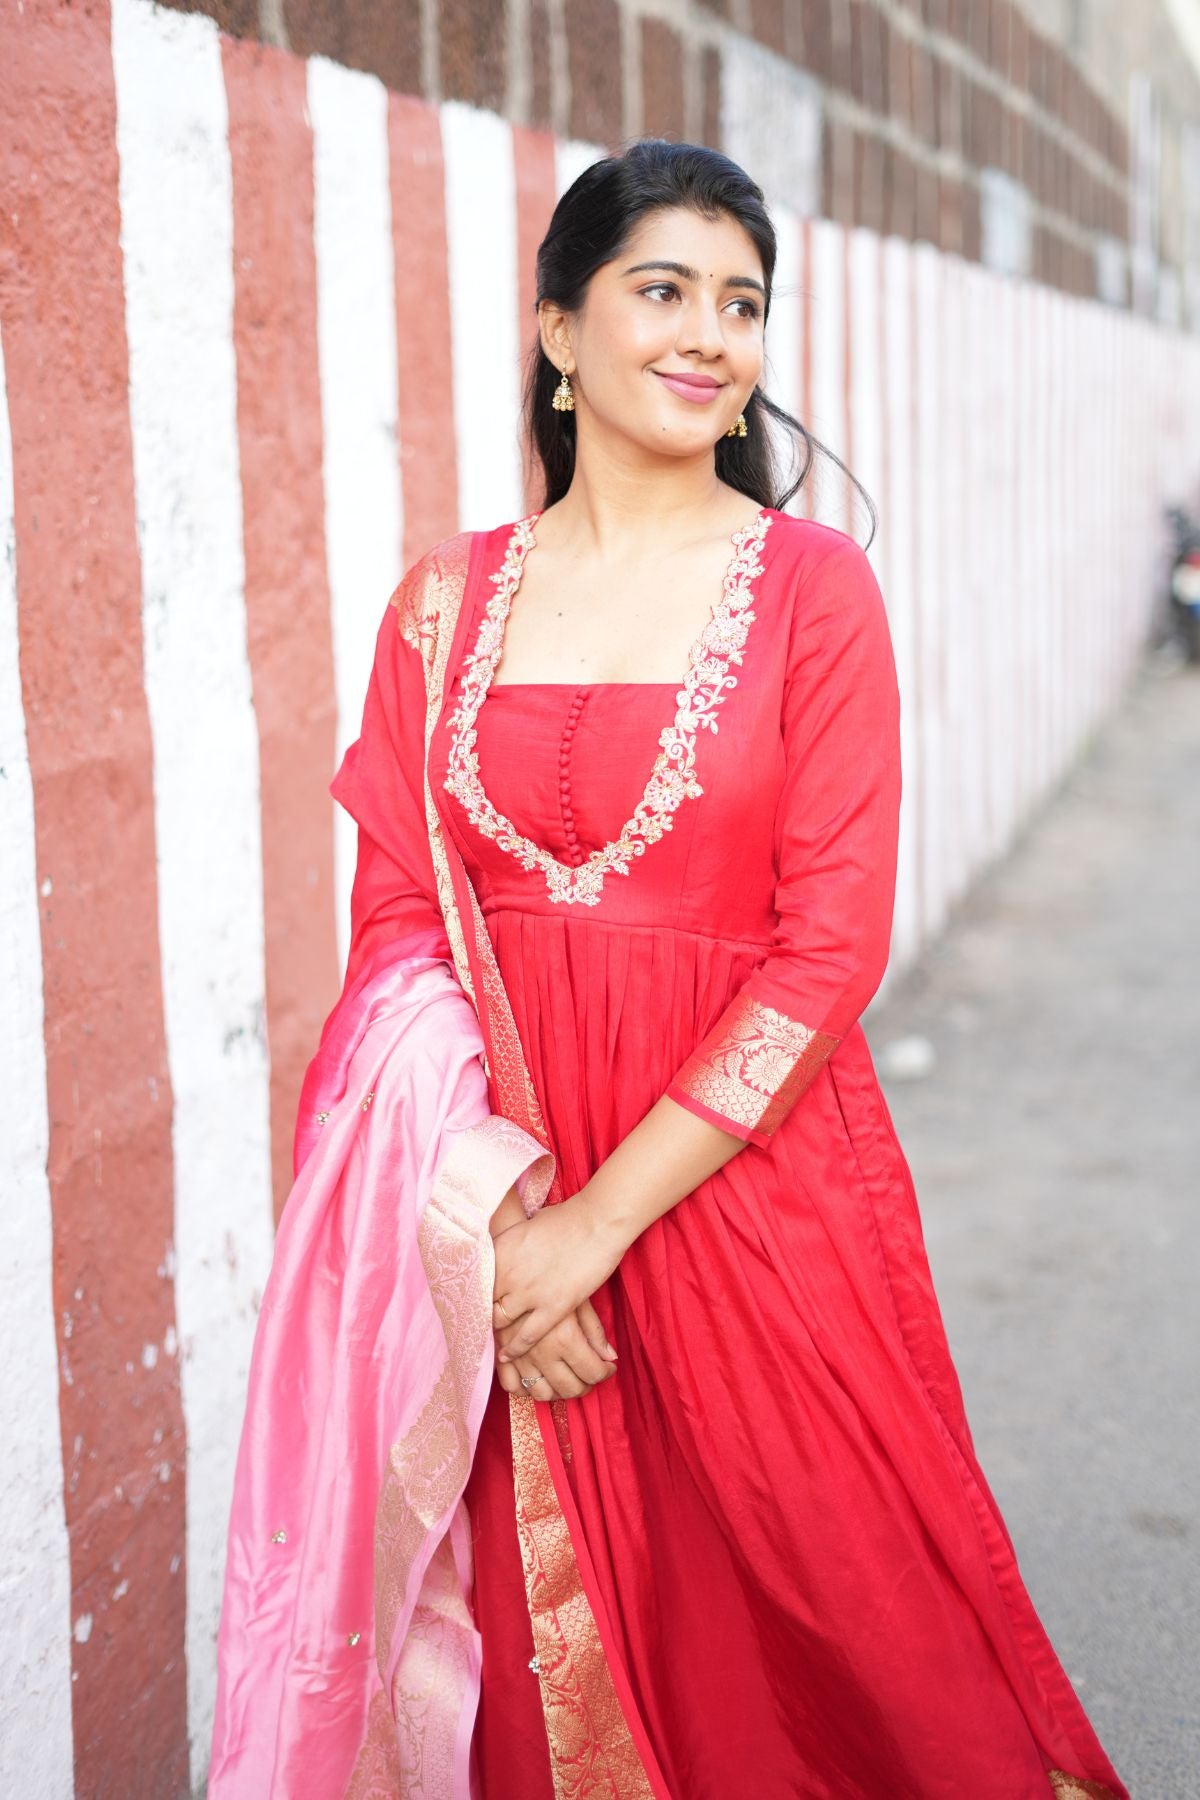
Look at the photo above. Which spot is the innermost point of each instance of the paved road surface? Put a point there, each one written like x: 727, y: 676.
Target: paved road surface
x: 1056, y: 1153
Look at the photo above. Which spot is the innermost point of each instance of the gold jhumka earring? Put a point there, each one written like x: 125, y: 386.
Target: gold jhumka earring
x: 738, y: 428
x: 564, y: 399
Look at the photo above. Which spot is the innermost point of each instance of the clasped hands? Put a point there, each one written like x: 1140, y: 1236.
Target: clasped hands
x: 547, y: 1268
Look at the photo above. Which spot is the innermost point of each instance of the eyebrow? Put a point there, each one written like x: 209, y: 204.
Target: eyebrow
x: 690, y: 274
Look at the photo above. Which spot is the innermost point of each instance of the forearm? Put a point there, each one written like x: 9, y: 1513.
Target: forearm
x: 663, y: 1159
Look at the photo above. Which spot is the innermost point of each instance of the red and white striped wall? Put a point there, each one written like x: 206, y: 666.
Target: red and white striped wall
x: 261, y: 326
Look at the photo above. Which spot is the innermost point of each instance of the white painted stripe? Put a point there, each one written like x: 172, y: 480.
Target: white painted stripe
x: 36, y: 1751
x: 176, y: 237
x: 930, y: 527
x: 866, y: 396
x: 481, y: 236
x: 827, y: 412
x: 782, y: 371
x: 900, y: 502
x: 356, y: 344
x: 571, y: 157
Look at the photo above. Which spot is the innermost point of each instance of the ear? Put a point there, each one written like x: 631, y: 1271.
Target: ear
x: 555, y: 334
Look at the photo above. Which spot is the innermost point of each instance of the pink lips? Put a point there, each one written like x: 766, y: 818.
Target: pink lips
x: 699, y: 388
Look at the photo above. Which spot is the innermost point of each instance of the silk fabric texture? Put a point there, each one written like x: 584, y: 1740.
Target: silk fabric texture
x: 764, y: 1558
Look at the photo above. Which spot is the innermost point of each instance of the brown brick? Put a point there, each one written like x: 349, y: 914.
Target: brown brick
x: 710, y: 88
x: 949, y: 90
x: 924, y: 101
x: 237, y: 18
x: 876, y: 59
x: 900, y: 96
x: 540, y: 101
x: 594, y: 61
x: 840, y: 72
x: 1018, y: 49
x: 1010, y: 139
x: 766, y: 23
x: 870, y: 200
x: 662, y: 80
x: 984, y: 147
x: 926, y: 226
x: 383, y: 41
x: 972, y: 224
x: 976, y: 29
x: 472, y: 44
x: 1000, y: 38
x: 818, y: 38
x: 1036, y: 45
x: 950, y: 213
x: 902, y: 194
x: 841, y: 171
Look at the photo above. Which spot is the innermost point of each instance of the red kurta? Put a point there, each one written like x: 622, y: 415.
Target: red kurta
x: 800, y: 1559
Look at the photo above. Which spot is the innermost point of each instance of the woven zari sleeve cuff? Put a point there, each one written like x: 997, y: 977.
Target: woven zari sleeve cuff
x: 750, y: 1070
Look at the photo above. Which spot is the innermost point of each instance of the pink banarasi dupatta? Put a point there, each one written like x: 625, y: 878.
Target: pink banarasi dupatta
x: 348, y: 1659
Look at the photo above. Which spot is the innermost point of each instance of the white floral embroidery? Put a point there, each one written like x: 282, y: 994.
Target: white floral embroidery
x: 672, y: 779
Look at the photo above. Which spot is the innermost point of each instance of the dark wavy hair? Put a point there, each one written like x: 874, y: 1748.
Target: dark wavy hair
x: 591, y: 224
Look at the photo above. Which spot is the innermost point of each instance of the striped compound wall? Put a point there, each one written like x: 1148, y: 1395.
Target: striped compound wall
x: 259, y: 334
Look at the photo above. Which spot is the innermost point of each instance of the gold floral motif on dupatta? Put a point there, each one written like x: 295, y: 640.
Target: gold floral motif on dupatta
x: 754, y: 1064
x: 431, y: 592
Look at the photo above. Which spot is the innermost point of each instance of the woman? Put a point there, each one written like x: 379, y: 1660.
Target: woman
x: 716, y: 1528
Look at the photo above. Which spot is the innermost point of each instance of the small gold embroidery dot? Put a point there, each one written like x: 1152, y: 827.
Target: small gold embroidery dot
x: 367, y: 1101
x: 321, y: 1118
x: 279, y: 1537
x: 353, y: 1638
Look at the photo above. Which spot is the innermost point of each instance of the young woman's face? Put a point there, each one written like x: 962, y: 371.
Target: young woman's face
x: 685, y: 297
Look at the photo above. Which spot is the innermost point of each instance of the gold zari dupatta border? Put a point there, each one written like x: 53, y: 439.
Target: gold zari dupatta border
x: 592, y: 1751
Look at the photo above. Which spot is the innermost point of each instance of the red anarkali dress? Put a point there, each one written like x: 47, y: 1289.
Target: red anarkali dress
x: 803, y: 1570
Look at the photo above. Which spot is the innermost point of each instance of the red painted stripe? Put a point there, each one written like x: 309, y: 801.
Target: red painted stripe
x: 424, y: 354
x: 536, y: 193
x: 287, y: 588
x: 110, y: 1163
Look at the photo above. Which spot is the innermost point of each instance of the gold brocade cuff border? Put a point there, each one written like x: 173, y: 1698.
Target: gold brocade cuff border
x: 754, y: 1064
x: 1077, y: 1787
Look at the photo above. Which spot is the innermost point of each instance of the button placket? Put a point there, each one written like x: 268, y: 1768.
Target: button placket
x: 575, y: 849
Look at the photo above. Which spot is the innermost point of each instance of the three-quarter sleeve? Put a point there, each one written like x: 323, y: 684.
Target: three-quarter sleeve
x: 836, y: 839
x: 381, y: 784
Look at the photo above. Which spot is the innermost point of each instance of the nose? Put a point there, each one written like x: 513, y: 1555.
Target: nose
x: 699, y: 328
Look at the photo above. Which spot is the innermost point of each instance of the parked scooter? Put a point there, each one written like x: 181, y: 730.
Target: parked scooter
x: 1185, y: 580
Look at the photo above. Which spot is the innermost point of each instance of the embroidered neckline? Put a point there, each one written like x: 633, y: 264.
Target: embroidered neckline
x: 672, y: 778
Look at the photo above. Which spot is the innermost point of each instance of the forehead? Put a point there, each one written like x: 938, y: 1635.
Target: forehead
x: 718, y: 246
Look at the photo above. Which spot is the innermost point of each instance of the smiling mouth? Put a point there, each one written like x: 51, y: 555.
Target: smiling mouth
x: 705, y: 382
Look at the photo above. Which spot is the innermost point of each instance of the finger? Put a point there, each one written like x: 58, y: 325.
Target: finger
x: 593, y: 1330
x: 564, y: 1381
x: 509, y: 1379
x: 541, y: 1389
x: 574, y: 1350
x: 518, y: 1340
x: 505, y: 1313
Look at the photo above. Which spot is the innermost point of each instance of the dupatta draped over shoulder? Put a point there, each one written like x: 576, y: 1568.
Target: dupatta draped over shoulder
x: 764, y: 1558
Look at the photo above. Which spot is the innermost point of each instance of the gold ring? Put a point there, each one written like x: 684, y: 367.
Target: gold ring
x: 504, y: 1310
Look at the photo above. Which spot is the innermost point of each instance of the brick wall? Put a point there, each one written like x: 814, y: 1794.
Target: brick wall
x: 933, y: 112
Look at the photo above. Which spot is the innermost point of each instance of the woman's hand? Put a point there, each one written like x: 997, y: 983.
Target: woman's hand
x: 546, y: 1267
x: 570, y: 1360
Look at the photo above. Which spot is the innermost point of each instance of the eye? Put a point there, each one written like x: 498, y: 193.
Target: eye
x: 669, y: 287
